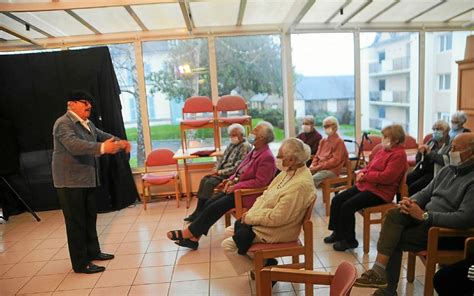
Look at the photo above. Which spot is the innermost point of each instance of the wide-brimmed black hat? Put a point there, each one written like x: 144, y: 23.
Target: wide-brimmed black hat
x: 77, y: 95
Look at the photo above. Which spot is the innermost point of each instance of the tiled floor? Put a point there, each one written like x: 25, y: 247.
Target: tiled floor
x: 34, y: 259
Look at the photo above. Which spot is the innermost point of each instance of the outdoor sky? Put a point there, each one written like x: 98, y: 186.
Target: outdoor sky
x: 326, y: 54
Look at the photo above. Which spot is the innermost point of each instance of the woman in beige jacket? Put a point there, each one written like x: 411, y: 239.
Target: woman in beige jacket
x: 277, y: 215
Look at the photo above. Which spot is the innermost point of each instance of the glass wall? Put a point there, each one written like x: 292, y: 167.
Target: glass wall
x: 442, y: 50
x: 324, y: 79
x: 174, y: 71
x: 389, y: 81
x: 250, y: 66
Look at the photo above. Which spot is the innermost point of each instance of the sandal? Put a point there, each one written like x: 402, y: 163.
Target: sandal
x: 176, y: 235
x: 187, y: 243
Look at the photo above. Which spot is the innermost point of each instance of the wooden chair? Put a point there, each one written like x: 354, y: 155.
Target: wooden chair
x: 340, y: 284
x: 160, y: 160
x: 231, y: 104
x: 336, y: 184
x: 432, y: 255
x: 263, y: 251
x: 239, y: 209
x: 411, y: 159
x: 198, y: 112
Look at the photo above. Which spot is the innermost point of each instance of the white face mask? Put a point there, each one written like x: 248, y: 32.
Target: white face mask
x: 455, y: 158
x: 386, y: 144
x: 329, y: 131
x: 306, y: 128
x: 251, y: 138
x: 279, y: 165
x: 234, y: 140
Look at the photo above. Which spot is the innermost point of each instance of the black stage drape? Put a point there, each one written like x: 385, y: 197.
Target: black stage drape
x: 33, y: 94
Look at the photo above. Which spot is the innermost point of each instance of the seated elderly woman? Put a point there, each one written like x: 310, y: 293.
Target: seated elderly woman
x: 255, y: 171
x: 309, y: 135
x: 276, y: 216
x: 376, y: 184
x: 458, y: 119
x: 430, y: 158
x: 224, y: 168
x: 332, y: 153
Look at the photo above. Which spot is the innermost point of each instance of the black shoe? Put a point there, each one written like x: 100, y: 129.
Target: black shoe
x: 331, y: 239
x: 271, y: 262
x: 103, y: 256
x: 345, y: 245
x: 188, y: 243
x: 90, y: 268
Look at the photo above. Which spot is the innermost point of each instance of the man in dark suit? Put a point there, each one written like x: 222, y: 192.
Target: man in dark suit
x: 77, y: 146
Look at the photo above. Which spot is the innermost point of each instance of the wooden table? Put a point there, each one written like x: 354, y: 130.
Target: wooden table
x: 187, y: 155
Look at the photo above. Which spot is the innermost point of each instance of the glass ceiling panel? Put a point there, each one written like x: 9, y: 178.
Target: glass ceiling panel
x: 215, y: 13
x: 260, y: 12
x: 469, y: 16
x: 7, y: 36
x: 371, y: 10
x: 321, y: 11
x: 19, y: 27
x: 109, y: 20
x: 405, y: 10
x: 56, y: 23
x: 24, y: 1
x: 348, y: 10
x: 160, y: 16
x: 446, y: 11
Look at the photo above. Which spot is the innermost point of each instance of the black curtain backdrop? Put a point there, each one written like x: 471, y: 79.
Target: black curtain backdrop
x: 33, y: 94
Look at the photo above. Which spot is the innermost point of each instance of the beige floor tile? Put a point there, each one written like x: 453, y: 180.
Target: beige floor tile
x: 153, y: 275
x: 25, y: 245
x: 124, y: 219
x: 4, y: 268
x: 109, y: 291
x: 51, y: 243
x: 28, y: 269
x: 143, y: 227
x: 230, y: 286
x: 12, y: 286
x: 125, y: 261
x: 333, y: 258
x: 218, y: 254
x: 113, y: 278
x: 162, y: 245
x: 112, y: 238
x: 222, y: 269
x: 191, y: 272
x: 75, y: 281
x: 40, y: 255
x: 56, y: 267
x: 117, y: 228
x: 109, y: 248
x: 150, y: 290
x: 80, y: 292
x: 43, y: 283
x: 189, y: 287
x: 159, y: 259
x: 138, y: 236
x: 133, y: 248
x: 190, y: 256
x: 62, y: 254
x: 11, y: 257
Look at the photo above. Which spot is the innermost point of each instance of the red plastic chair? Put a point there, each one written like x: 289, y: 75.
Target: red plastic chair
x: 160, y: 160
x: 232, y: 104
x: 427, y: 138
x: 198, y: 112
x: 410, y: 142
x: 340, y: 284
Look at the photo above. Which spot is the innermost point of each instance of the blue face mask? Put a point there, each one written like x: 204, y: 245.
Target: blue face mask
x: 251, y: 138
x: 437, y: 135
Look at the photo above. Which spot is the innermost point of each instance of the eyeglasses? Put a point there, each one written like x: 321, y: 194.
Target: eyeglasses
x: 85, y: 102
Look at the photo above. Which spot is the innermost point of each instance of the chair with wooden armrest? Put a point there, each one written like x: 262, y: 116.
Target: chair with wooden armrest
x: 432, y: 255
x: 340, y: 283
x: 469, y: 248
x: 263, y: 251
x: 239, y: 209
x: 337, y: 184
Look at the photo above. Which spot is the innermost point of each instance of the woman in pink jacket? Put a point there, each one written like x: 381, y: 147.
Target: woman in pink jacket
x: 376, y: 184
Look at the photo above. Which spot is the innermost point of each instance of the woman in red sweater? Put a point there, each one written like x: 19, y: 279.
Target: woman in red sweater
x: 376, y: 184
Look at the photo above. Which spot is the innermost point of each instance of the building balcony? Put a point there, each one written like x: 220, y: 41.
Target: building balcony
x: 380, y: 123
x: 389, y: 96
x: 401, y: 64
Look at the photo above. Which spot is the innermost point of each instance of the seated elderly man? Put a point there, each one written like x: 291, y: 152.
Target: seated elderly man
x: 430, y: 158
x: 277, y: 214
x: 332, y: 153
x: 255, y: 171
x: 446, y: 202
x: 458, y: 119
x: 225, y: 167
x: 309, y: 135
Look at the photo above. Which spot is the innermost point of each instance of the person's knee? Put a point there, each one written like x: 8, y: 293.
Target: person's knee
x: 229, y: 245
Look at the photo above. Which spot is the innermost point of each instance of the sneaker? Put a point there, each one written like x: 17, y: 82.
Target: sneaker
x: 370, y: 279
x: 382, y: 292
x: 331, y: 239
x: 343, y: 245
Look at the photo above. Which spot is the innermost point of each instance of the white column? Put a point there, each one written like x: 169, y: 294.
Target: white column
x: 288, y: 91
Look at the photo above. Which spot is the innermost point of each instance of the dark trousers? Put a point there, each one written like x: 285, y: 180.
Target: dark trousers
x: 80, y: 215
x: 206, y: 190
x: 343, y: 208
x: 452, y: 279
x: 213, y: 210
x: 417, y: 180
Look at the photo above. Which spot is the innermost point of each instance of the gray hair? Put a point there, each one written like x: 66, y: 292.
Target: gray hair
x: 293, y: 147
x: 309, y: 118
x: 236, y: 126
x: 268, y: 135
x: 461, y: 116
x: 443, y: 124
x: 332, y: 120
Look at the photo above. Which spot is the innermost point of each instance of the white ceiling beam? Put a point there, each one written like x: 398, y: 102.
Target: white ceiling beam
x: 457, y: 15
x: 337, y: 11
x: 362, y: 7
x: 374, y: 27
x: 136, y: 18
x: 240, y: 16
x: 18, y: 35
x: 82, y: 21
x: 296, y: 13
x: 383, y: 11
x: 83, y: 4
x: 426, y: 10
x: 21, y: 21
x: 183, y: 4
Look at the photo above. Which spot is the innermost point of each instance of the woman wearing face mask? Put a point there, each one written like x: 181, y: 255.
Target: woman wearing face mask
x: 376, y: 184
x: 310, y: 136
x: 332, y: 153
x: 276, y: 216
x: 256, y: 170
x: 458, y: 119
x: 224, y: 168
x: 430, y: 158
